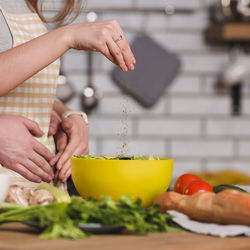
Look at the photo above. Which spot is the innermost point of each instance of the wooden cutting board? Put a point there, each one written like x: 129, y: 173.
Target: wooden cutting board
x: 20, y: 237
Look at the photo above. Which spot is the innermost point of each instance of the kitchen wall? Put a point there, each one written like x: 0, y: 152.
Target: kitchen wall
x: 191, y: 123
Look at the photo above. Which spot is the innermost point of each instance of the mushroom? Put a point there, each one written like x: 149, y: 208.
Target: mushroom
x: 41, y: 197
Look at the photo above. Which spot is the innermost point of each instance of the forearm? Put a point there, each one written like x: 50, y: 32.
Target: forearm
x: 20, y: 63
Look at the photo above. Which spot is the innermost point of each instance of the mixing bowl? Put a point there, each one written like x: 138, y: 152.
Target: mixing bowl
x: 144, y: 179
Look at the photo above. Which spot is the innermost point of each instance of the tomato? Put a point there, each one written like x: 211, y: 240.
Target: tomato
x: 197, y: 186
x: 182, y: 182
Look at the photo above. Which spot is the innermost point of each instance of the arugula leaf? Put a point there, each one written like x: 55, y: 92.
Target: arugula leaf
x: 119, y: 157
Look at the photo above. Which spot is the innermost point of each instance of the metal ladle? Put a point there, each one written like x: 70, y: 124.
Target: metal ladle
x: 64, y: 90
x: 90, y: 96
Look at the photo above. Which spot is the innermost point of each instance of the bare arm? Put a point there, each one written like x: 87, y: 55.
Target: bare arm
x: 23, y: 61
x: 20, y: 63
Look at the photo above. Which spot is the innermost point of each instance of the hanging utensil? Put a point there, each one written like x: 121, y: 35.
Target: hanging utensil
x: 64, y: 90
x: 90, y: 96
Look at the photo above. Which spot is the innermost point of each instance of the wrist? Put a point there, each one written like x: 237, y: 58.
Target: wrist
x: 66, y: 36
x: 81, y: 114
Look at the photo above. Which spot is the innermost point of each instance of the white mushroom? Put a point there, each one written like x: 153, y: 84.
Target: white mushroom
x: 18, y: 195
x: 41, y: 197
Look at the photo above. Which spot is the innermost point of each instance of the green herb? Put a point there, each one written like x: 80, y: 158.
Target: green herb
x: 125, y: 213
x: 60, y: 220
x: 52, y: 218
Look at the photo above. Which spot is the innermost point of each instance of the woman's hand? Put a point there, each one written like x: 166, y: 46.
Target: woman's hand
x: 21, y: 152
x: 75, y: 143
x: 106, y: 37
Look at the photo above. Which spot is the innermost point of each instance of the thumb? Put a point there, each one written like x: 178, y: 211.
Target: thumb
x: 33, y: 127
x: 55, y: 121
x: 66, y: 125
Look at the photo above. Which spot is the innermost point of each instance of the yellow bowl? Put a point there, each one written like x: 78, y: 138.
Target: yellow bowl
x: 144, y: 179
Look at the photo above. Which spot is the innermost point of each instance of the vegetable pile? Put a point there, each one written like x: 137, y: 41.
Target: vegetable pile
x: 60, y: 219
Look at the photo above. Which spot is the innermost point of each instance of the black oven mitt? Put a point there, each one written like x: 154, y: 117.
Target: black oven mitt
x: 155, y: 69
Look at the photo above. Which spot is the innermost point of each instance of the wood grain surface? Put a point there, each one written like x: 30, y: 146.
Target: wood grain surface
x: 20, y: 237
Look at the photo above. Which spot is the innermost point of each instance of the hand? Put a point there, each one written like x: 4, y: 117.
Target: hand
x: 60, y: 136
x: 103, y: 37
x: 77, y: 133
x: 21, y: 152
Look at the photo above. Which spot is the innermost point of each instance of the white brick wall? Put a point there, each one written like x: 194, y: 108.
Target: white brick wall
x: 207, y: 105
x: 169, y: 127
x: 174, y: 41
x: 185, y: 166
x: 212, y: 62
x: 229, y: 127
x: 202, y: 148
x: 185, y: 84
x: 112, y: 127
x: 191, y: 122
x: 182, y: 23
x: 244, y: 149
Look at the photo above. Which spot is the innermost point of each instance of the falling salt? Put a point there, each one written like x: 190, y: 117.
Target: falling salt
x: 123, y: 133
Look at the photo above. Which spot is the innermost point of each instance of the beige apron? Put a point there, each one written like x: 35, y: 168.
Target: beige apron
x: 33, y: 98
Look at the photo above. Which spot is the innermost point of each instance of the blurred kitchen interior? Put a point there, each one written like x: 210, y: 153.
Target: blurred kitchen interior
x: 194, y: 121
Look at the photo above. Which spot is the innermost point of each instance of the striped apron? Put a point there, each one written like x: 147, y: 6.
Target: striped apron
x: 33, y: 98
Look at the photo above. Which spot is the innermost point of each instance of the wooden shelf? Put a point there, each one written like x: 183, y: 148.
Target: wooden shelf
x: 231, y: 32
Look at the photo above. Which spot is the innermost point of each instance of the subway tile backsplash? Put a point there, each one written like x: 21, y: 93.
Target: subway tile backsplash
x: 191, y: 122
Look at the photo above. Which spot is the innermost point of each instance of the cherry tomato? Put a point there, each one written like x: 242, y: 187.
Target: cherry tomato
x: 182, y: 182
x: 197, y: 186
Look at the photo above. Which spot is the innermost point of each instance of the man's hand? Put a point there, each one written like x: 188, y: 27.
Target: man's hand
x: 21, y: 152
x: 76, y: 143
x: 60, y: 136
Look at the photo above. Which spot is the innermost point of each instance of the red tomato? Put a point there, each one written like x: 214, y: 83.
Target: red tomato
x: 197, y: 186
x: 182, y: 182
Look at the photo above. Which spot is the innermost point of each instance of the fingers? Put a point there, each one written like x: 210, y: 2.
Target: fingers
x: 34, y: 169
x: 26, y: 173
x: 67, y: 175
x: 126, y: 52
x: 42, y: 150
x: 105, y: 51
x: 61, y: 141
x: 67, y: 125
x: 62, y: 173
x: 47, y: 170
x: 114, y: 45
x: 55, y: 121
x: 54, y: 160
x: 33, y: 127
x: 69, y: 151
x: 65, y: 161
x: 121, y: 41
x: 115, y: 51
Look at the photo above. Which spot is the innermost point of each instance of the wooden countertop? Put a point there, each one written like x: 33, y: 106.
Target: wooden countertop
x: 16, y: 236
